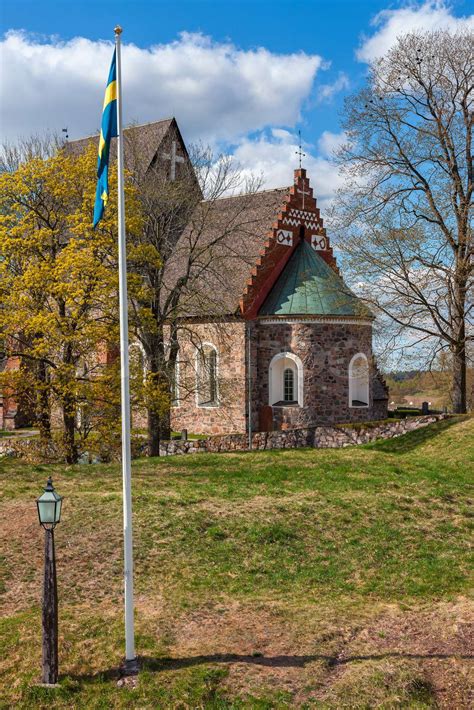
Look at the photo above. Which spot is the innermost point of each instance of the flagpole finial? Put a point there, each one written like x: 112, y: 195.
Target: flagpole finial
x: 118, y: 30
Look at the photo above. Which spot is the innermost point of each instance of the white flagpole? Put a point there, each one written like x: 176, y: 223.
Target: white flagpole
x: 130, y: 659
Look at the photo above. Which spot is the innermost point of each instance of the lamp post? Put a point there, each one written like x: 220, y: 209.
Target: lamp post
x: 49, y: 513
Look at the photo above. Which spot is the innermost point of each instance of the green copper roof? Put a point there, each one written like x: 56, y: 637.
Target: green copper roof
x: 309, y: 286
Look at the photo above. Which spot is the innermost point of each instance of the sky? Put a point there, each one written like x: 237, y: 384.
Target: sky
x: 241, y: 75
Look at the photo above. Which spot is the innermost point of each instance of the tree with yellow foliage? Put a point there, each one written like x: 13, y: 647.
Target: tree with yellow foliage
x: 58, y: 289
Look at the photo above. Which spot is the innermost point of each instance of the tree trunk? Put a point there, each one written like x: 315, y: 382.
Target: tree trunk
x: 43, y: 414
x: 458, y: 381
x: 154, y: 436
x: 165, y: 426
x: 458, y: 349
x: 69, y: 433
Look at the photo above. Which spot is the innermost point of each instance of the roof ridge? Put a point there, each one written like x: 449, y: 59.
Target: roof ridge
x: 245, y: 194
x: 127, y: 128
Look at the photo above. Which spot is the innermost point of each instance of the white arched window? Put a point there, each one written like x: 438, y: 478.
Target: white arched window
x: 206, y: 376
x: 173, y: 374
x: 285, y: 380
x: 359, y: 381
x: 174, y: 385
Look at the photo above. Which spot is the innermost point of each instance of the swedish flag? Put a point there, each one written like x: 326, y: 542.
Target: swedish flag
x: 107, y: 132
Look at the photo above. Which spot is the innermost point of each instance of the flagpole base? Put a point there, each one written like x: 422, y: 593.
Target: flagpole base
x: 130, y: 667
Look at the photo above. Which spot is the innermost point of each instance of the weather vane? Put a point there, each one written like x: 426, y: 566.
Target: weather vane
x: 299, y: 152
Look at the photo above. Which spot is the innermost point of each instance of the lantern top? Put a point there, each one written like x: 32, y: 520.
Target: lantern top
x: 49, y: 506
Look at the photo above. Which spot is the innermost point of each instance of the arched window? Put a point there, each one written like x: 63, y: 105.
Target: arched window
x: 173, y: 372
x: 289, y: 385
x: 174, y: 385
x: 285, y: 380
x: 206, y: 371
x: 359, y: 381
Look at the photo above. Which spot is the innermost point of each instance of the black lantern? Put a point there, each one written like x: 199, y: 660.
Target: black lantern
x: 49, y: 506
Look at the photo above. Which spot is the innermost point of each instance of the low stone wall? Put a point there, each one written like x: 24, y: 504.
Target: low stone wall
x: 30, y: 449
x: 321, y: 437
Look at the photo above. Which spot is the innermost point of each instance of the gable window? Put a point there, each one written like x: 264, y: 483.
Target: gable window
x: 207, y: 395
x: 359, y: 381
x: 285, y: 380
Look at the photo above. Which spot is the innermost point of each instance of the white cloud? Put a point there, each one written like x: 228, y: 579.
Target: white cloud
x: 390, y: 24
x: 273, y: 158
x: 216, y: 91
x: 329, y: 143
x: 326, y: 92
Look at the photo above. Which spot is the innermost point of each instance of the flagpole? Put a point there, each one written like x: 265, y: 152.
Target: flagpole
x: 130, y: 659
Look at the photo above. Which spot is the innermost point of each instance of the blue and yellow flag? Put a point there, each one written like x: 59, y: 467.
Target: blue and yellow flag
x: 107, y: 132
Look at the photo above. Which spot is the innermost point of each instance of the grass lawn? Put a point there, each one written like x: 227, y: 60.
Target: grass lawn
x: 281, y: 579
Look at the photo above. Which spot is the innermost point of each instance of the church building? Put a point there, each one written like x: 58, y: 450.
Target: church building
x: 269, y: 335
x: 289, y: 345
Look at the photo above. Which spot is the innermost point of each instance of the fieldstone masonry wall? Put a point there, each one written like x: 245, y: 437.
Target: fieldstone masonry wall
x: 325, y: 350
x: 230, y: 416
x: 321, y: 437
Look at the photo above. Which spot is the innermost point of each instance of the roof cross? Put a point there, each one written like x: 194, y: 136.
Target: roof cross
x: 174, y: 158
x: 299, y: 152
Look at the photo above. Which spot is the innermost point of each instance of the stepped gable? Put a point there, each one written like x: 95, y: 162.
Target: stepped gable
x: 298, y: 219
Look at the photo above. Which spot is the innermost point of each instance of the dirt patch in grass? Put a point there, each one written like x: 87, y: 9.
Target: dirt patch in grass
x: 420, y: 657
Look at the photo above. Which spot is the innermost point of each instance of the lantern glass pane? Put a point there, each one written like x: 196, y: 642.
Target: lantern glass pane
x: 46, y: 509
x: 58, y: 510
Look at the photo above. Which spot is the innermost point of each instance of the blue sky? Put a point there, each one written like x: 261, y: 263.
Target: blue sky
x: 241, y: 75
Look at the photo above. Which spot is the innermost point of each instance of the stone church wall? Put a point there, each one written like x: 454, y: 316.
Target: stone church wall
x: 230, y: 416
x: 325, y: 350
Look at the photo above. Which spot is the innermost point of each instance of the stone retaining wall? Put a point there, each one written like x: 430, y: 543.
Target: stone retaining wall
x: 320, y: 437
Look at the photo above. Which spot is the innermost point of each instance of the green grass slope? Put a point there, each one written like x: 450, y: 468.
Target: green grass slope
x: 306, y: 578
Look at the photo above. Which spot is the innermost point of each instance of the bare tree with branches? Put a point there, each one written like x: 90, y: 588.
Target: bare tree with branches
x: 404, y: 214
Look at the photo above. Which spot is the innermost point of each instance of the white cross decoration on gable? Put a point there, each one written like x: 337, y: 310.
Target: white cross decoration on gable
x: 318, y: 242
x: 303, y: 192
x: 285, y: 237
x: 174, y: 159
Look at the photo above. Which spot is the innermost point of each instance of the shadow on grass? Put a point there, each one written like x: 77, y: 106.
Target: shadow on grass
x: 413, y: 439
x: 158, y: 665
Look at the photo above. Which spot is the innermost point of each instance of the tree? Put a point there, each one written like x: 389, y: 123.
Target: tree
x: 163, y: 274
x: 404, y: 213
x: 58, y: 286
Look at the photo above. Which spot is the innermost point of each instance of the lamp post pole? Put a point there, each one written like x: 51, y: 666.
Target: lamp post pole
x: 49, y: 506
x: 50, y: 612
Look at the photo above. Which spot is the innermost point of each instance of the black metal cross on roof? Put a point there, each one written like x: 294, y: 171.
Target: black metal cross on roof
x: 299, y: 152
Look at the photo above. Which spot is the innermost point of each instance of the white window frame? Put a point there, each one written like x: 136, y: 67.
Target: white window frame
x: 199, y: 351
x: 176, y: 402
x: 352, y: 382
x: 276, y: 378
